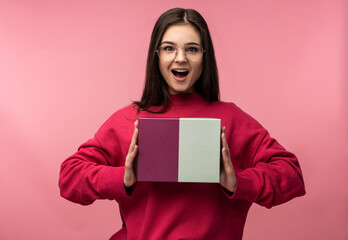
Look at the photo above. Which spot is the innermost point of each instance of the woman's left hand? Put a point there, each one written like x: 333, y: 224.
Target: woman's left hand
x: 227, y: 174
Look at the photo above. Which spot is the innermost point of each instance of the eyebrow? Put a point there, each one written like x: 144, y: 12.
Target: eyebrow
x: 172, y: 43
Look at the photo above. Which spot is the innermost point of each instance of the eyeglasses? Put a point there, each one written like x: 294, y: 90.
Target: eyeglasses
x: 169, y: 52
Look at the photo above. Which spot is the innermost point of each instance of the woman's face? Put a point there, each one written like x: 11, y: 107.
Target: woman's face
x: 181, y: 73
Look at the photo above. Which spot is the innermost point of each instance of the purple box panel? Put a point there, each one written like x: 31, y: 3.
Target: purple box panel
x: 158, y: 142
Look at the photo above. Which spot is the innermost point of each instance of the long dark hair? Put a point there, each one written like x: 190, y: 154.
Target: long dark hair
x: 156, y: 92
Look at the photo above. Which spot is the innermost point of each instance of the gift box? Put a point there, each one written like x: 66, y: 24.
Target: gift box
x: 179, y: 150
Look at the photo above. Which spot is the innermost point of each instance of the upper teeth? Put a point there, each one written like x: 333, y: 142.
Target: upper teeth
x: 180, y: 70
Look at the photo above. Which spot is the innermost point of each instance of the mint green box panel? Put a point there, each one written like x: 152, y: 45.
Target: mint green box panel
x: 199, y: 150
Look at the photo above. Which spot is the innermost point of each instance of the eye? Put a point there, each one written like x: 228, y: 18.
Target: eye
x: 168, y: 49
x: 192, y: 49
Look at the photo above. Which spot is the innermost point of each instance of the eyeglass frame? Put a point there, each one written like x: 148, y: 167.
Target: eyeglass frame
x: 176, y: 51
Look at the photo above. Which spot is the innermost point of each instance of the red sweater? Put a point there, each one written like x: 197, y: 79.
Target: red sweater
x: 266, y: 174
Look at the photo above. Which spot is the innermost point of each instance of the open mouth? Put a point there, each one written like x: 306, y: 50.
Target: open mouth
x: 180, y: 72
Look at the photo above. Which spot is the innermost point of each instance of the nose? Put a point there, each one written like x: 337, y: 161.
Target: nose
x: 180, y: 55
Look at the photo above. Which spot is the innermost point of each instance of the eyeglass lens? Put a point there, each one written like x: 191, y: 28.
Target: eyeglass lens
x: 168, y: 52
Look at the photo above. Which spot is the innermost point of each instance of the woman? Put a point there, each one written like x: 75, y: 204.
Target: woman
x: 182, y: 81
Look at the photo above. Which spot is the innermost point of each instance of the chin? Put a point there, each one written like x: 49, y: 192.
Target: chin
x: 180, y: 90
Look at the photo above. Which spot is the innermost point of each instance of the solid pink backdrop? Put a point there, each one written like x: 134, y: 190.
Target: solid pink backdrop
x: 66, y: 66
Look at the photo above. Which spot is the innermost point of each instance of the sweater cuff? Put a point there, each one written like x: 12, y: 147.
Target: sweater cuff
x: 112, y: 186
x: 246, y: 188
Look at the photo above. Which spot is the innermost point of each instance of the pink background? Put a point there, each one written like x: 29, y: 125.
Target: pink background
x: 66, y: 66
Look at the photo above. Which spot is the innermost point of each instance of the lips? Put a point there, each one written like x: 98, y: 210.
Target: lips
x: 180, y: 74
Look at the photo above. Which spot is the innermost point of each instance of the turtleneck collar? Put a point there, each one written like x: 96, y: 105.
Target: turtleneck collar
x: 185, y: 99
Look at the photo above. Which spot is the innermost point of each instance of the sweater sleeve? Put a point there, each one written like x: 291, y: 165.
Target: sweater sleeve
x: 274, y: 177
x: 96, y: 170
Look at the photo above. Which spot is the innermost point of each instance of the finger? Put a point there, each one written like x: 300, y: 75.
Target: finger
x: 131, y: 156
x: 134, y: 138
x: 227, y: 164
x: 225, y: 157
x: 135, y: 134
x: 224, y: 142
x: 134, y: 152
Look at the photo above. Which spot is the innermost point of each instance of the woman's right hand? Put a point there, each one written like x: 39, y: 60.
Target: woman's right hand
x: 129, y: 173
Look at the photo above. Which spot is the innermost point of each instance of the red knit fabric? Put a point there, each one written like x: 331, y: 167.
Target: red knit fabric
x: 266, y: 174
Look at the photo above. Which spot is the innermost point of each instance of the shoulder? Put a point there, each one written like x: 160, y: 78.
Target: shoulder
x: 223, y: 104
x: 229, y: 108
x: 127, y: 112
x: 122, y: 118
x: 236, y: 116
